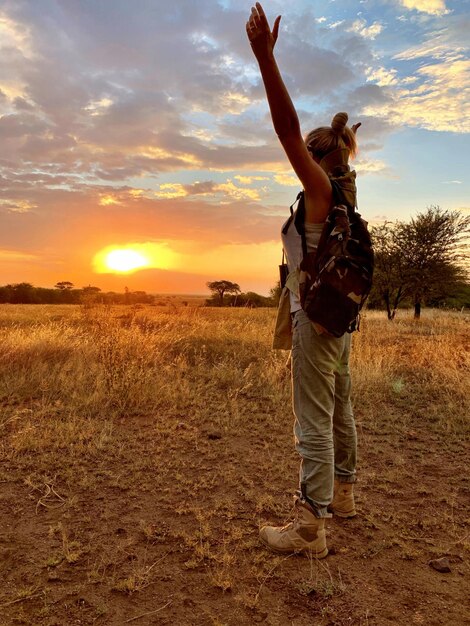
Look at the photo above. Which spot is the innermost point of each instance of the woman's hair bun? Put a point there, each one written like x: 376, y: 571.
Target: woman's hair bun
x: 339, y: 122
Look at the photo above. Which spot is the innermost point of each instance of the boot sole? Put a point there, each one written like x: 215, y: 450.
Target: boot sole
x: 304, y: 551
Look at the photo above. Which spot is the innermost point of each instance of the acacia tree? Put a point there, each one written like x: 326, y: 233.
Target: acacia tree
x: 433, y: 247
x: 64, y: 285
x: 221, y: 287
x: 390, y: 275
x: 89, y: 289
x: 422, y: 259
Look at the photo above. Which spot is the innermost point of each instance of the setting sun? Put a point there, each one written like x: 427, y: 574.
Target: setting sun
x: 125, y: 260
x: 132, y: 257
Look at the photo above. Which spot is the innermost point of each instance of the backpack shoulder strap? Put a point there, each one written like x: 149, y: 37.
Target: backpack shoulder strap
x: 291, y: 209
x: 299, y: 221
x: 344, y: 190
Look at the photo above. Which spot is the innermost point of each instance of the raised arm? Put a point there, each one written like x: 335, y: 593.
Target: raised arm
x: 284, y: 116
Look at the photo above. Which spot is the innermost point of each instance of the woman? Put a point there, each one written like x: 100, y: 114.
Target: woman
x: 325, y: 434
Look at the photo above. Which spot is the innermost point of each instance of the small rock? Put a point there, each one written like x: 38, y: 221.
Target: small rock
x: 441, y: 565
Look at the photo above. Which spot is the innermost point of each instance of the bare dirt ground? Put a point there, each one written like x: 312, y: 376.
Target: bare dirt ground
x: 141, y: 505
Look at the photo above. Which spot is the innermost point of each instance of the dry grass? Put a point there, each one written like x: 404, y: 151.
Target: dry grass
x: 142, y: 447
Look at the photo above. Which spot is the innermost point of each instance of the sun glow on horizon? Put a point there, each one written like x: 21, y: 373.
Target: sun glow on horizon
x: 133, y: 257
x: 125, y: 260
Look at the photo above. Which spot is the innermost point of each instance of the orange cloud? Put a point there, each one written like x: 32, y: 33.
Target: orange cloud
x: 285, y: 179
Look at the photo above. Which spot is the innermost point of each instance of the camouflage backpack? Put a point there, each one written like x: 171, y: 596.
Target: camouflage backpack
x: 335, y: 280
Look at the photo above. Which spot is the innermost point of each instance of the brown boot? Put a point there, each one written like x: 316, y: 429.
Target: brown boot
x: 305, y: 534
x: 343, y: 500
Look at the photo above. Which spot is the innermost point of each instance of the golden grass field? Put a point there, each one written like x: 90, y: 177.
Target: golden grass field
x: 142, y: 448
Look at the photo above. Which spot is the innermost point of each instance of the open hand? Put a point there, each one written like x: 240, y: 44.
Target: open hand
x: 262, y: 39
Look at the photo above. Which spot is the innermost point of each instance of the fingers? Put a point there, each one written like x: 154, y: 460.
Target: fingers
x: 258, y: 24
x: 276, y: 28
x: 251, y: 26
x: 258, y: 18
x: 261, y: 15
x: 354, y: 127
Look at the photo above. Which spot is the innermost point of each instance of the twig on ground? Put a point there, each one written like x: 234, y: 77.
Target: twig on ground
x: 410, y: 538
x: 132, y: 619
x: 156, y: 563
x: 50, y: 489
x: 269, y: 574
x: 30, y: 597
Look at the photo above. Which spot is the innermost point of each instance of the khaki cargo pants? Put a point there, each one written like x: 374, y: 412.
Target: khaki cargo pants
x: 324, y: 428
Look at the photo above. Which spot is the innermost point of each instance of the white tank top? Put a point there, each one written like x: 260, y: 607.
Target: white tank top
x: 292, y: 244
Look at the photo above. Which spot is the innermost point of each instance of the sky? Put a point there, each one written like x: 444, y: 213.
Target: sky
x: 143, y: 126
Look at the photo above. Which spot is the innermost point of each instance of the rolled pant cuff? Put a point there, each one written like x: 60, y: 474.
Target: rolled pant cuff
x: 318, y: 511
x: 322, y: 513
x: 346, y: 479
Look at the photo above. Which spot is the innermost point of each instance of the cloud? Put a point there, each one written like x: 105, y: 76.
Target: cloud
x: 440, y: 44
x: 382, y: 76
x: 360, y: 27
x: 107, y: 199
x: 371, y: 166
x: 171, y: 190
x: 16, y: 206
x: 240, y: 193
x: 248, y: 180
x: 433, y: 7
x: 433, y: 94
x: 15, y: 37
x: 217, y: 191
x: 235, y: 103
x: 437, y: 101
x: 287, y: 180
x: 116, y: 94
x: 16, y: 256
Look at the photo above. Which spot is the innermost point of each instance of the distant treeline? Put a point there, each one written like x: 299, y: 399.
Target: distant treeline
x: 250, y: 299
x: 66, y: 293
x: 227, y: 293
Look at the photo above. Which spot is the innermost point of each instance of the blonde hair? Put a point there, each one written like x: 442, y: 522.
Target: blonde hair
x: 325, y: 139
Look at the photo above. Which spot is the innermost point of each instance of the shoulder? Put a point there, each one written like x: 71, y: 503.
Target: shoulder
x: 317, y: 206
